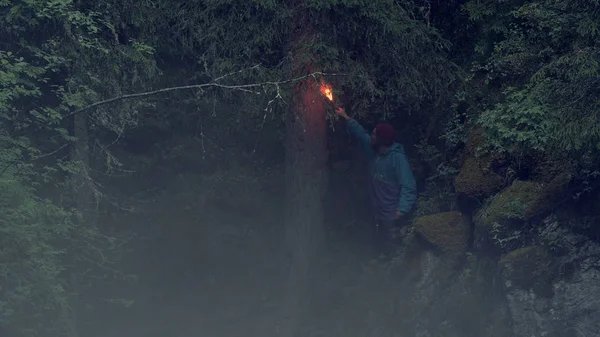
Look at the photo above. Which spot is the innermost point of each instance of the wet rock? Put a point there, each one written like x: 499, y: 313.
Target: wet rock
x: 529, y: 268
x: 452, y: 302
x: 448, y: 232
x: 573, y: 309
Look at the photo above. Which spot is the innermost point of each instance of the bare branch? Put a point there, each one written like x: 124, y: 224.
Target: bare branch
x: 241, y: 87
x: 235, y: 73
x: 51, y: 153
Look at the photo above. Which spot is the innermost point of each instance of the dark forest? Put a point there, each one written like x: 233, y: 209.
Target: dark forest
x: 294, y: 168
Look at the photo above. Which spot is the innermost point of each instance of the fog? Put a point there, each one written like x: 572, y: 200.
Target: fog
x: 203, y: 254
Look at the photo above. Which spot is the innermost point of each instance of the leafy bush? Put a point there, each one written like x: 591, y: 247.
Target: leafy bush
x: 437, y: 194
x: 33, y: 298
x: 544, y: 60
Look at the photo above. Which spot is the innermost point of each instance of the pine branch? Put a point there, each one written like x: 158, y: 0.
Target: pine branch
x: 243, y: 87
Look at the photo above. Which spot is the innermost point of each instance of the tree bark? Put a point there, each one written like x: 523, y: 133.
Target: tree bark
x: 82, y: 200
x: 82, y: 191
x: 306, y: 181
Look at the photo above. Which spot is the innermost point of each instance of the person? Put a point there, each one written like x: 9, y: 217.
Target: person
x: 392, y: 183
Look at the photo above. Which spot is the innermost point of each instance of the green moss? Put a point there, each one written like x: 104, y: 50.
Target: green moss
x: 529, y: 268
x: 551, y: 193
x: 447, y: 231
x: 511, y: 205
x: 521, y: 201
x: 476, y: 181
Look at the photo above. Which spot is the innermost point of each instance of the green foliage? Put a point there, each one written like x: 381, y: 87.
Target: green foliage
x: 76, y: 62
x: 57, y: 56
x: 533, y: 86
x: 438, y: 192
x: 378, y: 46
x: 517, y: 123
x: 545, y: 62
x: 455, y: 132
x: 33, y: 296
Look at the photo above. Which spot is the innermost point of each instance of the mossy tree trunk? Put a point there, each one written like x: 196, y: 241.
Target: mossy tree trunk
x: 306, y: 177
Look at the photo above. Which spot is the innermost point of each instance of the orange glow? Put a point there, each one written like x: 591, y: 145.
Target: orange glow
x: 326, y: 90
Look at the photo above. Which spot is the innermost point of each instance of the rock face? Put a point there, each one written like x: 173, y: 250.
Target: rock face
x: 551, y: 288
x: 451, y: 294
x: 529, y: 268
x: 442, y: 300
x: 573, y: 307
x: 530, y: 274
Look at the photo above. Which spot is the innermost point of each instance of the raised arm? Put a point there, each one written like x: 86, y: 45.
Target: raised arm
x: 356, y: 130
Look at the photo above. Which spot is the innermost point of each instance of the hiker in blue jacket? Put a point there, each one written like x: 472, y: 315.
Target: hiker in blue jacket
x: 392, y: 188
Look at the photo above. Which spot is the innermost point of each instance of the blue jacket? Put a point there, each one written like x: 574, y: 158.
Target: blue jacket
x: 393, y: 186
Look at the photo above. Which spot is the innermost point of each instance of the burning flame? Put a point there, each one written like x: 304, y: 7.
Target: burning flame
x: 327, y: 91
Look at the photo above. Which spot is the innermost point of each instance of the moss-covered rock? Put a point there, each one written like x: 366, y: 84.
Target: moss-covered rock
x: 478, y: 177
x: 496, y: 224
x: 511, y: 204
x: 520, y: 202
x: 552, y: 192
x: 529, y: 268
x: 475, y: 180
x: 449, y: 232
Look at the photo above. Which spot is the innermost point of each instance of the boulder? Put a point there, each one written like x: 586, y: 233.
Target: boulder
x: 448, y: 232
x: 529, y: 268
x: 476, y: 181
x: 516, y: 205
x: 476, y: 141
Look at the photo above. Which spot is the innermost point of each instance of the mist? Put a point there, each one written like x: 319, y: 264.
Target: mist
x: 299, y: 168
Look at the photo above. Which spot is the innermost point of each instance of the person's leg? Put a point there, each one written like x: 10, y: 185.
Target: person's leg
x: 384, y: 236
x: 375, y: 240
x: 391, y: 234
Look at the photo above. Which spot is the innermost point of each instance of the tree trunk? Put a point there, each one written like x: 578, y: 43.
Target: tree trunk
x: 82, y: 199
x: 82, y: 191
x: 306, y: 181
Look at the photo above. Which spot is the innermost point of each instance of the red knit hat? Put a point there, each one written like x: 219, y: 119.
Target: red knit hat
x: 385, y: 134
